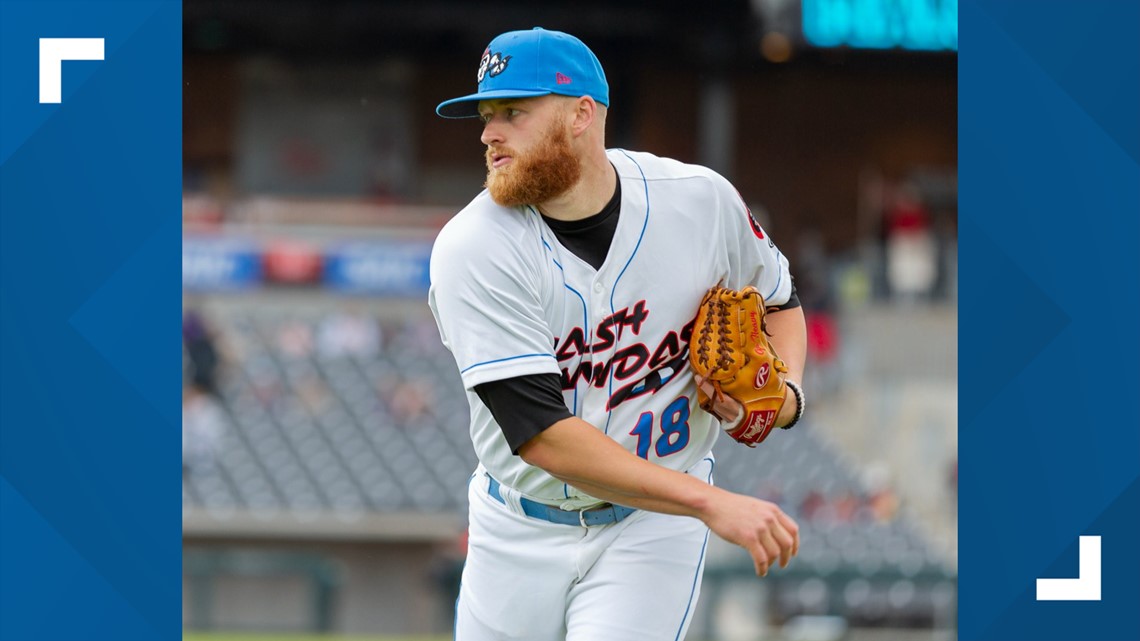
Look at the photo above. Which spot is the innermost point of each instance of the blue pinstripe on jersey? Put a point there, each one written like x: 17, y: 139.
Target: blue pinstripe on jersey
x: 613, y: 288
x: 779, y: 276
x: 585, y: 322
x: 500, y: 360
x: 585, y: 317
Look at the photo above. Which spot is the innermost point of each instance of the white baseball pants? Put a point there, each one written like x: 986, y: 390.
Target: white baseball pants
x: 527, y: 579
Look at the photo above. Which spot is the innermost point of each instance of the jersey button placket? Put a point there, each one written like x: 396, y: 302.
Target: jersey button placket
x: 598, y: 302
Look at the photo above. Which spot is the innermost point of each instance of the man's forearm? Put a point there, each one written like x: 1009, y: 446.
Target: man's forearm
x: 576, y: 453
x: 788, y: 332
x: 788, y: 335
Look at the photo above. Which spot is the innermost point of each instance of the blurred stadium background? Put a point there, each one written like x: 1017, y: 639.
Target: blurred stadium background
x: 325, y: 446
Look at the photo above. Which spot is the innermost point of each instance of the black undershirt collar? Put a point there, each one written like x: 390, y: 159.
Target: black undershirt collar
x: 590, y: 237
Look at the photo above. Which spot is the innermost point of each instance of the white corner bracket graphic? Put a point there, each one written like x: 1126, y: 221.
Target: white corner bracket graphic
x: 1086, y: 587
x: 53, y: 51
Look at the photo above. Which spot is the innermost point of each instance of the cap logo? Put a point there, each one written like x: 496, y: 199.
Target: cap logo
x: 561, y: 79
x: 492, y: 64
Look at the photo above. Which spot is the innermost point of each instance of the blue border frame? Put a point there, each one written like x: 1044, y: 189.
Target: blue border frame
x: 90, y: 298
x: 1049, y: 130
x: 90, y: 235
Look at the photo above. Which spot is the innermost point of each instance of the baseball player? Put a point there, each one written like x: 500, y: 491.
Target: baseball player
x: 566, y: 292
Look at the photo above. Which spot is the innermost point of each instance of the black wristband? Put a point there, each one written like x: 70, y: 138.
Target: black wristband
x: 799, y: 394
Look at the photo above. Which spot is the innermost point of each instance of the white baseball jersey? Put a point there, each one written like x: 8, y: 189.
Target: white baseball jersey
x: 510, y: 301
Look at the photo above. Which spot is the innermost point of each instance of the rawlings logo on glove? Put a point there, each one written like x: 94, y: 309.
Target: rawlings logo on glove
x: 732, y: 359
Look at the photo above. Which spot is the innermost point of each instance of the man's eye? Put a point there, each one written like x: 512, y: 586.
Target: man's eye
x: 511, y: 113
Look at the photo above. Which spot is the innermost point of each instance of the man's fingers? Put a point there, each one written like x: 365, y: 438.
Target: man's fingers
x: 786, y: 544
x: 793, y: 529
x: 779, y: 543
x: 786, y: 521
x: 787, y: 552
x: 705, y: 386
x: 760, y: 559
x: 772, y: 547
x: 723, y: 407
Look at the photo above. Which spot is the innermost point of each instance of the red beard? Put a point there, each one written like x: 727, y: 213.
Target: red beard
x: 543, y: 174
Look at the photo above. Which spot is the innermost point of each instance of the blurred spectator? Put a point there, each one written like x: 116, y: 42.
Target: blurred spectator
x: 811, y: 505
x: 845, y: 509
x: 912, y: 255
x: 823, y: 374
x: 882, y: 502
x: 406, y: 400
x: 198, y: 339
x: 295, y: 339
x: 884, y: 505
x: 385, y: 385
x: 200, y: 212
x: 313, y: 394
x: 881, y: 505
x: 203, y: 423
x: 347, y: 333
x: 813, y: 287
x: 409, y: 401
x: 266, y: 387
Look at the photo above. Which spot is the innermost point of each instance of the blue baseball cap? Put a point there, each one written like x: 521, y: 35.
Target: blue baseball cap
x: 525, y: 64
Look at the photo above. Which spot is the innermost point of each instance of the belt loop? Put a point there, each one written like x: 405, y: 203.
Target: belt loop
x: 582, y: 518
x: 493, y: 488
x: 509, y: 497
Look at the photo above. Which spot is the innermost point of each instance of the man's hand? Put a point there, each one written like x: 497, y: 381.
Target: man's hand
x: 729, y: 411
x: 760, y: 527
x: 726, y: 409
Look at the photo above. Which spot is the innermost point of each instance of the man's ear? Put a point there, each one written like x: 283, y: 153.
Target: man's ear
x: 585, y: 111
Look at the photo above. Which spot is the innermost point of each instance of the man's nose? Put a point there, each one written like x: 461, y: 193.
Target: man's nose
x: 492, y: 134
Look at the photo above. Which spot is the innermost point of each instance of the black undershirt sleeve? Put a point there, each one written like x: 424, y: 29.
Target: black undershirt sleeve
x: 793, y: 301
x: 524, y: 406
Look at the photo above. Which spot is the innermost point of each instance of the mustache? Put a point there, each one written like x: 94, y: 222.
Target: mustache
x: 501, y: 151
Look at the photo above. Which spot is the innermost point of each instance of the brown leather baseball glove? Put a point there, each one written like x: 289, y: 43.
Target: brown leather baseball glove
x: 730, y: 351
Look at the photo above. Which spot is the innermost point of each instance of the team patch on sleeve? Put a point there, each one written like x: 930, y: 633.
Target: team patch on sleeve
x: 756, y: 228
x: 753, y: 223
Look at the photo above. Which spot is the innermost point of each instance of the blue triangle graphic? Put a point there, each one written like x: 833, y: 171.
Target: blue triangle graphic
x: 121, y: 310
x: 49, y: 591
x: 1026, y: 322
x: 1096, y: 32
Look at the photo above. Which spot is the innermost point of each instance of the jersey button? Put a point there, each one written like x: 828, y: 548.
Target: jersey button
x: 598, y: 287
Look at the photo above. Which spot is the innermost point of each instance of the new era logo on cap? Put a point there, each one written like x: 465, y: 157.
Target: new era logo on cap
x: 561, y: 79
